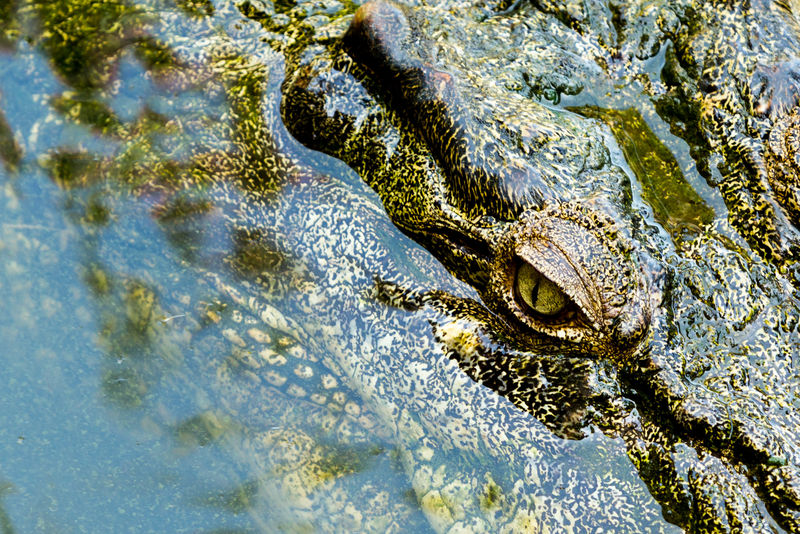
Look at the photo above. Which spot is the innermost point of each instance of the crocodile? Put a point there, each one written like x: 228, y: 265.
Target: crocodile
x: 650, y: 388
x: 460, y: 160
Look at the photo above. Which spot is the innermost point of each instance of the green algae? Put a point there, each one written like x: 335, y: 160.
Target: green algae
x: 675, y: 203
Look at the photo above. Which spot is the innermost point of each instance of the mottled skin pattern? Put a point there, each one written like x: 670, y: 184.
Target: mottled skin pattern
x: 481, y: 241
x: 782, y: 163
x: 737, y: 66
x: 665, y: 388
x: 353, y: 336
x: 475, y: 172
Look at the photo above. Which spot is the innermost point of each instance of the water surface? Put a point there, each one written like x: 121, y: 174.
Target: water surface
x: 155, y: 285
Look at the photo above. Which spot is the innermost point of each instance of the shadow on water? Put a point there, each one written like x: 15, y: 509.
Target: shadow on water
x: 6, y: 526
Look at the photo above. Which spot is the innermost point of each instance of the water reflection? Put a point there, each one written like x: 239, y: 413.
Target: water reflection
x: 676, y: 205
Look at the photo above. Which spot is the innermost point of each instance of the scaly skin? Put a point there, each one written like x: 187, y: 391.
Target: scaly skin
x: 484, y: 216
x: 782, y: 163
x: 737, y: 67
x: 454, y: 172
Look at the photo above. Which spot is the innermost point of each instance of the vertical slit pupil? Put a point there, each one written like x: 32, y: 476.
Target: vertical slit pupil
x: 535, y: 292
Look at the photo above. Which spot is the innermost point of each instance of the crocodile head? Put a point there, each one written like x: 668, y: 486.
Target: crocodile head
x: 527, y: 203
x: 508, y: 194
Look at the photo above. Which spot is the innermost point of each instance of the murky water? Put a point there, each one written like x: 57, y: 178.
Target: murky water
x: 116, y: 415
x: 190, y: 337
x: 113, y: 416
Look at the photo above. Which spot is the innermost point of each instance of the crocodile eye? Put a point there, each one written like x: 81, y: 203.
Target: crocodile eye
x: 540, y: 294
